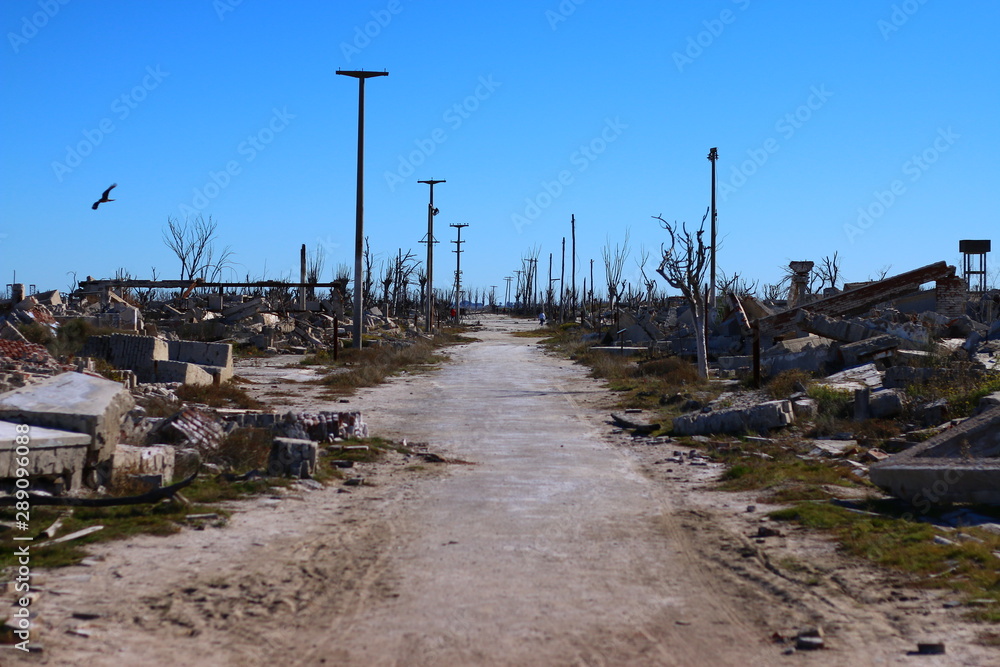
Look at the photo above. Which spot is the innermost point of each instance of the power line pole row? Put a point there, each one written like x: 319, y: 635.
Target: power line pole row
x: 458, y: 270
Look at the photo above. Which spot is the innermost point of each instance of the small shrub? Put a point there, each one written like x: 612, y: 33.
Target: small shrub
x: 675, y: 369
x: 226, y: 395
x: 835, y: 403
x: 783, y: 384
x: 243, y: 449
x: 37, y: 333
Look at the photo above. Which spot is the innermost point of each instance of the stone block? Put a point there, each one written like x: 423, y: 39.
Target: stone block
x: 988, y: 402
x: 759, y: 418
x: 51, y: 452
x: 885, y: 403
x: 877, y: 347
x: 73, y: 402
x: 292, y: 457
x: 180, y: 371
x: 805, y: 408
x: 203, y: 354
x: 959, y: 465
x: 154, y: 460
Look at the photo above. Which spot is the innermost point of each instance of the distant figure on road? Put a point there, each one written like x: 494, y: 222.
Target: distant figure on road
x: 541, y: 319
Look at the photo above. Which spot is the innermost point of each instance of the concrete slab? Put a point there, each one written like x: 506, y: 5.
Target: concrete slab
x: 73, y: 402
x: 960, y: 465
x: 757, y: 419
x: 859, y: 377
x: 51, y: 452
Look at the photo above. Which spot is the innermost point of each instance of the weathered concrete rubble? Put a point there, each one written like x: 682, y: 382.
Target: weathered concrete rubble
x: 157, y: 360
x: 756, y: 419
x: 959, y: 465
x: 78, y: 403
x: 54, y: 453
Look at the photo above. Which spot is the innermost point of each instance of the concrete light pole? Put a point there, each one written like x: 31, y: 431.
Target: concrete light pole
x: 458, y: 270
x: 713, y: 156
x: 431, y: 212
x: 359, y: 229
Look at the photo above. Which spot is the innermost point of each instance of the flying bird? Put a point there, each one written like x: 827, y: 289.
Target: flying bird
x: 104, y: 197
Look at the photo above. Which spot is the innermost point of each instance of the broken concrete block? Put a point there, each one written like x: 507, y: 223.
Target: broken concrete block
x: 988, y: 402
x: 154, y: 460
x: 243, y: 310
x: 935, y: 412
x: 292, y: 457
x: 833, y: 448
x: 74, y: 402
x: 859, y: 377
x: 959, y: 465
x: 838, y: 329
x: 805, y: 408
x: 759, y: 418
x: 53, y: 452
x: 878, y: 347
x: 179, y: 371
x: 885, y: 403
x: 807, y: 358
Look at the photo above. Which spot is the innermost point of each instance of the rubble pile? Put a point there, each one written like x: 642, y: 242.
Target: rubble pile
x: 84, y: 426
x: 880, y: 343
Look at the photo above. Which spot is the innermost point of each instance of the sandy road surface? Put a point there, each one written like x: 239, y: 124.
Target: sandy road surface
x: 558, y: 546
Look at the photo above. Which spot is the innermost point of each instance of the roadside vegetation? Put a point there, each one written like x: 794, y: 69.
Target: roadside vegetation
x: 374, y: 364
x: 226, y: 474
x: 829, y: 494
x: 653, y: 382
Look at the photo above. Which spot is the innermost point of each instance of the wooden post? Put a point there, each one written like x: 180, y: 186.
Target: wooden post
x: 756, y: 353
x: 336, y: 337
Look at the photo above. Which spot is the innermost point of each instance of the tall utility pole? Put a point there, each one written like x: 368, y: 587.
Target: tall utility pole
x: 534, y: 281
x: 572, y: 224
x: 562, y: 284
x: 506, y: 302
x: 431, y: 212
x: 713, y: 156
x: 548, y: 288
x: 458, y: 270
x: 520, y: 289
x: 359, y: 225
x: 592, y: 288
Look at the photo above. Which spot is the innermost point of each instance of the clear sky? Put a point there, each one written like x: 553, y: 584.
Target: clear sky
x: 868, y: 128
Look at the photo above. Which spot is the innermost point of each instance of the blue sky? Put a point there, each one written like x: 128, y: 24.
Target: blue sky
x: 869, y: 129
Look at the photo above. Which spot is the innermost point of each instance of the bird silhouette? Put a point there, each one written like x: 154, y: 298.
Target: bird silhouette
x: 104, y: 197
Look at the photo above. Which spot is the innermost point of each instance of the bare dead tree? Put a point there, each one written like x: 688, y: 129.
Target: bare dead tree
x: 388, y: 277
x: 614, y: 263
x: 369, y: 262
x: 403, y: 268
x: 771, y: 291
x: 529, y: 267
x: 736, y: 284
x: 314, y: 269
x: 881, y: 273
x: 684, y: 264
x: 193, y: 242
x: 422, y: 282
x: 648, y: 283
x: 827, y: 271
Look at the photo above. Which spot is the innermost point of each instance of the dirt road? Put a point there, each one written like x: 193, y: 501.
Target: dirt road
x: 561, y: 544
